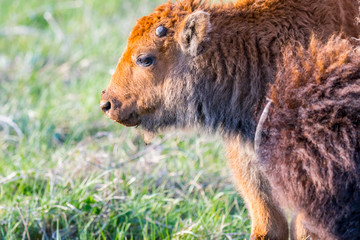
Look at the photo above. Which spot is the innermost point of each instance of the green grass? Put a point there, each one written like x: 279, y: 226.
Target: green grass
x: 66, y: 171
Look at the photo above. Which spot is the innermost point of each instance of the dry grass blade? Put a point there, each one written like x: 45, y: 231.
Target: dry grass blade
x: 11, y: 123
x: 25, y: 223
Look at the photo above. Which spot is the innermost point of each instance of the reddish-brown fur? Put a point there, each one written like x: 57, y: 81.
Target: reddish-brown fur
x: 310, y: 146
x: 211, y: 70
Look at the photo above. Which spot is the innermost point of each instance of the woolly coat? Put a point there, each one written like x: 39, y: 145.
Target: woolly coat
x: 310, y: 144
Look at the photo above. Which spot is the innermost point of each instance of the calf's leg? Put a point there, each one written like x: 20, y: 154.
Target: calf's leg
x: 298, y: 231
x: 267, y: 220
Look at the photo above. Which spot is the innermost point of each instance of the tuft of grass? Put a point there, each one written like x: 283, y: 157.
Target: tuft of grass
x: 67, y: 172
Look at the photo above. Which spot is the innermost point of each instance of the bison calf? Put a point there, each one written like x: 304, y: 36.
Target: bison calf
x: 196, y: 64
x: 310, y: 143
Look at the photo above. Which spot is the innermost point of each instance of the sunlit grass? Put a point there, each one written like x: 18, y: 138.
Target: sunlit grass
x: 66, y: 171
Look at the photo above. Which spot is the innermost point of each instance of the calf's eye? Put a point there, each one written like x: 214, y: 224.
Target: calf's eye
x: 145, y: 60
x: 161, y: 31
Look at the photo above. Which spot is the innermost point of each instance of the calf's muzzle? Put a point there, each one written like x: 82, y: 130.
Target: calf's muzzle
x: 119, y: 111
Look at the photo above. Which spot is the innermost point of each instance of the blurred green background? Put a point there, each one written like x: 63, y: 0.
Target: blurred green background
x: 68, y: 172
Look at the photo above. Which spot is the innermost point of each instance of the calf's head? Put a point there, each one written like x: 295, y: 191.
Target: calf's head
x: 155, y: 58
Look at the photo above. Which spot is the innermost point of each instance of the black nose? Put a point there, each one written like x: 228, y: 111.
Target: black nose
x: 105, y: 106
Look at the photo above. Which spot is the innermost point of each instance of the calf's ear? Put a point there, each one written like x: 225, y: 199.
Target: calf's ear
x: 194, y: 32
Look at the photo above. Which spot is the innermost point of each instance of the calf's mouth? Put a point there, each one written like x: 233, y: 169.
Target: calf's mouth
x: 132, y: 121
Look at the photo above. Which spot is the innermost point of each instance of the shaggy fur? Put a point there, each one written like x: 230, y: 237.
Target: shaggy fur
x: 240, y: 58
x: 212, y: 71
x: 310, y: 146
x: 238, y: 63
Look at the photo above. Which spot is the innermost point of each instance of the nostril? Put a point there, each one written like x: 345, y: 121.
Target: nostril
x: 105, y: 106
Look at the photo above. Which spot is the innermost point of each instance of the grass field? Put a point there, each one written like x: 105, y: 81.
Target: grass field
x: 68, y: 172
